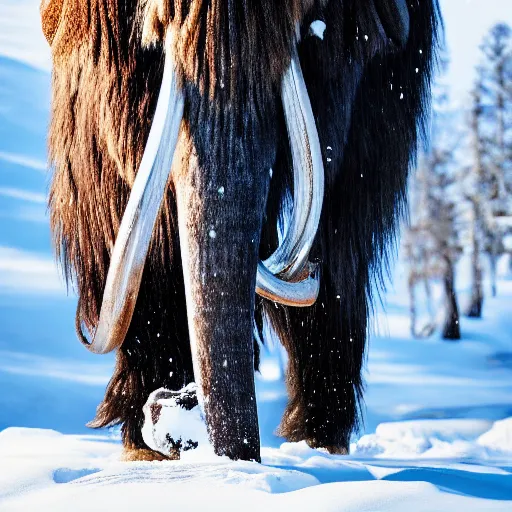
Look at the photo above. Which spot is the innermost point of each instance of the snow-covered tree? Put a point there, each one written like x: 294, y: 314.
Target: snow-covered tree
x: 491, y: 140
x: 418, y: 249
x: 476, y: 199
x: 432, y: 240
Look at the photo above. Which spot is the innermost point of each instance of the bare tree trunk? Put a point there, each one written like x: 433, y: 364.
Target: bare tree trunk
x: 428, y: 293
x: 412, y: 304
x: 451, y: 329
x: 477, y: 297
x: 493, y: 257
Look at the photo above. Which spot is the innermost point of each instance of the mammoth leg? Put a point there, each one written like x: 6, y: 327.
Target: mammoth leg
x: 220, y: 214
x: 156, y: 351
x: 325, y: 342
x: 325, y: 345
x: 326, y: 349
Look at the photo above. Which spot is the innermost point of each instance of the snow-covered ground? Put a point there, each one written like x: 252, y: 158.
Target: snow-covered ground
x: 438, y: 422
x: 437, y: 438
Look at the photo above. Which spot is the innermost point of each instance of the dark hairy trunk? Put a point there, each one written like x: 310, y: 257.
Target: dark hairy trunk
x: 220, y: 282
x: 221, y: 190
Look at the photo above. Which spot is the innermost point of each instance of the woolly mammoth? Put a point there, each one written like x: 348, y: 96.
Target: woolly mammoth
x: 222, y: 164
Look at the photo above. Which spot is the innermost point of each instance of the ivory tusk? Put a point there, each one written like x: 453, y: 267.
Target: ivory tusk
x: 146, y: 197
x: 292, y: 255
x: 299, y: 294
x: 275, y: 276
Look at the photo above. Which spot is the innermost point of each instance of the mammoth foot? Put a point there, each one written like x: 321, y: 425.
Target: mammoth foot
x: 144, y: 455
x: 332, y: 449
x: 173, y: 422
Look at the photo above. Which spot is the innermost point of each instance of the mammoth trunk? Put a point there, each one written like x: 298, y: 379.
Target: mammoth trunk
x: 221, y: 185
x: 220, y: 215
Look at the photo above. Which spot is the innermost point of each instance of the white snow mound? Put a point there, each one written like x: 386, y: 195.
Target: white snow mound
x: 176, y: 424
x: 499, y: 437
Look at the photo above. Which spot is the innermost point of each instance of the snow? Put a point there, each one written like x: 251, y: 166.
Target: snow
x: 498, y: 438
x: 317, y: 28
x: 46, y: 470
x: 438, y: 416
x: 186, y: 427
x: 425, y: 439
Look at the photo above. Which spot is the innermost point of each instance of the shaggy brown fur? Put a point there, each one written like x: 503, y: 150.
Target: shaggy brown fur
x: 214, y: 54
x: 104, y: 94
x: 144, y: 455
x: 101, y: 115
x: 105, y: 85
x: 65, y: 24
x: 50, y: 18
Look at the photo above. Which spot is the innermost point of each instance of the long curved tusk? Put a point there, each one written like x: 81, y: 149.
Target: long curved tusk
x: 276, y: 276
x: 291, y: 257
x: 132, y: 243
x: 146, y: 197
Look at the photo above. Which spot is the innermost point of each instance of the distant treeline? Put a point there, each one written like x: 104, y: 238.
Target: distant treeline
x: 461, y: 193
